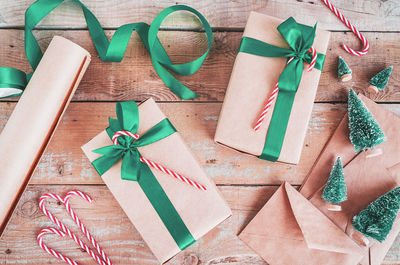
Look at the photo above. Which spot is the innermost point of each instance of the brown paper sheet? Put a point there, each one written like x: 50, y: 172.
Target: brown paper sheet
x: 252, y: 80
x: 289, y: 230
x: 366, y: 178
x: 200, y: 210
x: 35, y: 118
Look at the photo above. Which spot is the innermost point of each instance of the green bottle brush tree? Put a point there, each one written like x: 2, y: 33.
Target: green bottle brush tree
x: 377, y: 219
x: 344, y: 71
x: 335, y: 190
x: 379, y: 81
x: 365, y: 132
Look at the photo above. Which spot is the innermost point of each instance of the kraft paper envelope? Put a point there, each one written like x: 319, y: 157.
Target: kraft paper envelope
x: 252, y: 81
x: 366, y: 178
x: 289, y: 230
x: 35, y: 118
x: 200, y: 210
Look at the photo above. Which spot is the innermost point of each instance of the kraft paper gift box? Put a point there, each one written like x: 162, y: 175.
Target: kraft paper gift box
x: 252, y: 80
x: 35, y: 118
x: 289, y: 230
x: 199, y: 210
x: 366, y: 177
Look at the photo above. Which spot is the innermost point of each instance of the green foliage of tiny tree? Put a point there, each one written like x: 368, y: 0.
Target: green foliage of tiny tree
x: 381, y: 79
x: 365, y: 132
x: 335, y: 190
x: 343, y: 68
x: 377, y: 219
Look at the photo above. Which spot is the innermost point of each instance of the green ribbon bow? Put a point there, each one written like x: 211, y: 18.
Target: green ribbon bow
x: 133, y: 169
x: 13, y: 81
x: 300, y: 38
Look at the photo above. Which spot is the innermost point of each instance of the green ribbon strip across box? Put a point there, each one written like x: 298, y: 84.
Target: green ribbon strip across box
x: 170, y: 214
x: 272, y: 50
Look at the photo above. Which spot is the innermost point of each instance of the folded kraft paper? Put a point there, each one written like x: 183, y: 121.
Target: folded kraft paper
x: 252, y: 81
x: 290, y: 230
x: 35, y: 118
x: 193, y: 211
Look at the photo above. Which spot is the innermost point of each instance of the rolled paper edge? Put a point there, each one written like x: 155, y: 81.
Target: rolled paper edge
x: 373, y: 89
x: 346, y: 77
x: 360, y: 238
x: 333, y: 207
x: 82, y: 69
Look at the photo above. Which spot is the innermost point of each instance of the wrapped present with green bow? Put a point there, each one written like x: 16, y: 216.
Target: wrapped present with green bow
x: 270, y: 96
x: 155, y: 179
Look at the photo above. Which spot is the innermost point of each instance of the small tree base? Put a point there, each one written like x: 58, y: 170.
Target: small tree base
x: 360, y: 238
x: 374, y: 152
x: 333, y: 207
x: 346, y: 77
x: 373, y: 90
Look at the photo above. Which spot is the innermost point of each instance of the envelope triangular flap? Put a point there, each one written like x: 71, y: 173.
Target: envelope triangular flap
x: 318, y: 231
x: 276, y: 213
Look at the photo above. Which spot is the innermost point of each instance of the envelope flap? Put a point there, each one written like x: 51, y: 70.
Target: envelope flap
x: 318, y: 231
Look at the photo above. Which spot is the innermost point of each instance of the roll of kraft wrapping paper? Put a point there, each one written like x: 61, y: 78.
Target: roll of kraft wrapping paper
x: 35, y: 118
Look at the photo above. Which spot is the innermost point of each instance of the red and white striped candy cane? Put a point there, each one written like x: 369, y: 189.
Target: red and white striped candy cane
x: 65, y: 229
x: 157, y: 166
x: 275, y: 91
x: 80, y: 224
x: 365, y: 48
x: 173, y: 174
x: 120, y: 133
x: 50, y: 250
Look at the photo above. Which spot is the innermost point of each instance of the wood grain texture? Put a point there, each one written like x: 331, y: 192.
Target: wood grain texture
x: 117, y: 236
x: 365, y: 14
x: 135, y: 79
x: 65, y: 163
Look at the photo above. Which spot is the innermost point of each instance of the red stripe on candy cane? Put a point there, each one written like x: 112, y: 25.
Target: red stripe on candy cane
x: 365, y: 49
x: 50, y: 250
x: 158, y: 166
x: 120, y: 133
x: 65, y: 229
x: 275, y: 91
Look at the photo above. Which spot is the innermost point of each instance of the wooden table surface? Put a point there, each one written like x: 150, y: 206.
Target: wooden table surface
x: 246, y: 182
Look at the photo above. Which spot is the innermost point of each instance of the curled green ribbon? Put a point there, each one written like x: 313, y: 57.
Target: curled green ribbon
x: 13, y: 81
x: 133, y: 169
x: 300, y: 38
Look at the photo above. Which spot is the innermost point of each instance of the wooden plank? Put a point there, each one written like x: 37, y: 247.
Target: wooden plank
x: 135, y: 79
x: 117, y: 236
x: 366, y: 15
x: 64, y: 162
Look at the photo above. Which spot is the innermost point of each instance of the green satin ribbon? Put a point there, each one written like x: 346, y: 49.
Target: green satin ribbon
x: 300, y: 38
x: 109, y: 51
x: 133, y: 169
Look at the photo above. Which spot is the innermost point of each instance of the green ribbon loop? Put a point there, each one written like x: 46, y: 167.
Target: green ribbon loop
x: 133, y: 169
x: 109, y: 51
x: 299, y: 38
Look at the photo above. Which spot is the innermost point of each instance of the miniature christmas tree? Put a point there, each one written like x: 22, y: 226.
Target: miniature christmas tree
x: 335, y: 190
x: 379, y: 81
x: 365, y: 132
x: 344, y: 71
x: 377, y: 219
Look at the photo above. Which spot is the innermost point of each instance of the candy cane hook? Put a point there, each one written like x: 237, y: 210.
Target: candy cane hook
x: 365, y: 49
x: 65, y: 229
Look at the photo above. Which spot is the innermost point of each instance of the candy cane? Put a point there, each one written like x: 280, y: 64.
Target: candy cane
x: 158, y: 166
x: 173, y: 174
x: 275, y: 91
x: 50, y: 250
x: 352, y: 28
x: 80, y: 224
x: 64, y: 228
